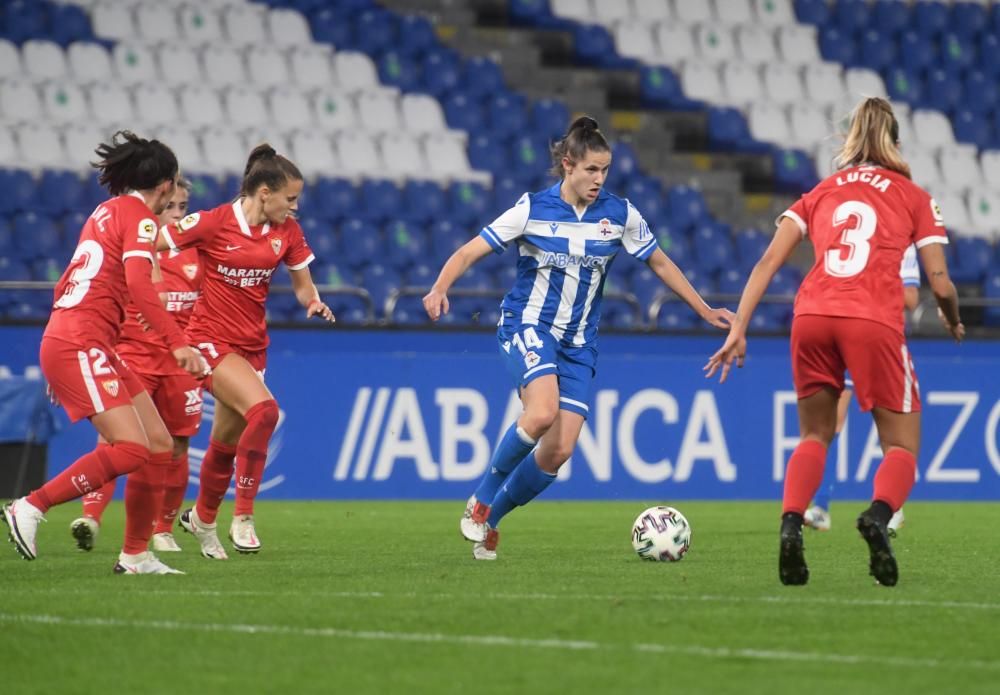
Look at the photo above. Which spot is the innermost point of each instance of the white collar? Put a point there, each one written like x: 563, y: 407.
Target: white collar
x: 241, y: 219
x: 137, y: 194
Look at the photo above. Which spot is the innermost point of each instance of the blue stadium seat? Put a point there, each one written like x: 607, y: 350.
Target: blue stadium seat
x: 14, y: 269
x: 728, y: 130
x: 69, y: 23
x: 506, y: 274
x: 686, y: 207
x: 876, y: 49
x: 660, y: 88
x: 786, y: 280
x: 361, y: 243
x: 989, y: 46
x: 470, y: 204
x: 750, y: 246
x: 6, y: 238
x: 23, y: 20
x: 46, y: 270
x: 329, y: 26
x: 405, y: 242
x: 815, y: 12
x: 375, y: 31
x: 646, y: 286
x: 675, y: 246
x: 624, y: 161
x: 424, y: 202
x: 36, y: 236
x: 19, y: 190
x: 535, y: 13
x: 955, y: 53
x: 930, y: 18
x: 646, y: 195
x: 464, y: 112
x: 732, y: 281
x: 915, y: 51
x: 441, y: 71
x: 379, y: 199
x: 713, y: 247
x: 974, y: 257
x: 973, y: 128
x: 852, y: 16
x: 594, y: 45
x: 481, y: 77
x: 619, y: 315
x: 59, y: 192
x: 769, y: 318
x: 446, y: 237
x: 905, y: 85
x: 942, y: 91
x: 332, y: 199
x: 507, y: 113
x: 890, y: 17
x: 980, y: 92
x: 380, y: 280
x: 968, y: 19
x: 206, y: 193
x: 399, y: 70
x: 488, y: 153
x: 794, y: 171
x: 549, y: 118
x: 419, y: 275
x: 837, y: 46
x: 991, y: 290
x: 676, y: 316
x: 322, y: 238
x: 416, y: 35
x: 329, y: 273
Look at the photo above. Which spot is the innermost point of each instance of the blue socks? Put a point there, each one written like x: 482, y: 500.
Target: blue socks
x: 823, y: 494
x: 515, y: 445
x: 524, y: 484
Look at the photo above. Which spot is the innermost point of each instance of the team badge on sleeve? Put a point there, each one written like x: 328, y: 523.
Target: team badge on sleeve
x: 936, y: 211
x: 147, y: 230
x: 276, y: 246
x: 189, y: 222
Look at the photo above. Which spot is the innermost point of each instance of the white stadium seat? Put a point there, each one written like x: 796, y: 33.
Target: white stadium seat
x: 288, y: 28
x: 224, y: 150
x: 9, y: 153
x: 355, y: 72
x: 41, y: 146
x: 769, y: 123
x: 635, y: 40
x: 246, y: 24
x: 741, y: 83
x: 134, y: 63
x: 984, y: 213
x: 43, y: 60
x: 579, y: 10
x: 201, y: 106
x: 359, y: 157
x: 89, y: 62
x: 735, y: 11
x: 313, y: 153
x: 20, y: 102
x: 783, y: 83
x: 10, y: 60
x: 223, y: 65
x: 245, y: 108
x: 797, y: 44
x: 64, y: 102
x: 156, y: 22
x: 610, y: 12
x: 447, y: 160
x: 824, y: 83
x: 924, y: 168
x: 156, y: 105
x: 403, y: 157
x: 932, y: 128
x: 692, y: 12
x: 676, y: 42
x: 293, y: 106
x: 651, y: 11
x: 955, y: 213
x: 960, y: 166
x: 200, y: 24
x: 701, y: 81
x: 755, y: 44
x: 110, y: 104
x: 775, y: 12
x: 378, y: 112
x: 422, y: 114
x: 715, y: 43
x: 861, y: 83
x: 311, y: 66
x: 186, y: 147
x: 334, y: 111
x: 79, y: 140
x: 267, y: 66
x: 809, y: 124
x: 989, y: 161
x: 112, y: 21
x: 179, y: 65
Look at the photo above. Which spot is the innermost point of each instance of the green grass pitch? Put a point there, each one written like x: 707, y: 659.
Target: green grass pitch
x: 366, y: 597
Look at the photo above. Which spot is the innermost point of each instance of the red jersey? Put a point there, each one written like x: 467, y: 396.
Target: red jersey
x: 90, y: 296
x: 861, y: 221
x: 238, y: 262
x: 145, y: 351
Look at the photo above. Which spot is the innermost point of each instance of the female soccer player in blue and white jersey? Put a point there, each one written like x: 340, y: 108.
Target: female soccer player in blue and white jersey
x: 566, y: 237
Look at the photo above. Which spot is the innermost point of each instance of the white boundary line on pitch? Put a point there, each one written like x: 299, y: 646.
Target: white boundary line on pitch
x: 503, y: 641
x: 791, y: 600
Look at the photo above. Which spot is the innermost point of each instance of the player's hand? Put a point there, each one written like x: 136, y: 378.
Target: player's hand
x: 957, y: 331
x: 735, y: 348
x: 192, y: 361
x: 436, y: 304
x: 53, y: 399
x: 318, y: 308
x: 720, y: 318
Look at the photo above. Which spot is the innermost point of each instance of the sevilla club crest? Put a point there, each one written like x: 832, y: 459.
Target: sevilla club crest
x: 111, y: 386
x: 276, y: 246
x: 190, y: 270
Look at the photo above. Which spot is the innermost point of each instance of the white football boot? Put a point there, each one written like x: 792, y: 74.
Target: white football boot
x: 243, y: 534
x: 818, y: 518
x: 142, y: 563
x: 473, y: 523
x: 85, y: 530
x: 205, y: 533
x: 487, y: 550
x: 22, y: 519
x: 896, y: 523
x: 165, y: 543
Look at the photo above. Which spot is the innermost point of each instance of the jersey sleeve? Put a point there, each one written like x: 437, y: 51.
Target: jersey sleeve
x: 799, y: 214
x: 192, y: 230
x: 138, y: 231
x: 637, y: 238
x: 508, y: 226
x: 909, y: 270
x: 299, y: 255
x: 928, y: 223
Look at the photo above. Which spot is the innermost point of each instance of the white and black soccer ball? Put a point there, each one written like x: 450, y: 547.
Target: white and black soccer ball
x: 661, y: 534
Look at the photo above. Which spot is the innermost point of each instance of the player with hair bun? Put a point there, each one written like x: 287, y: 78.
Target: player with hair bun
x: 566, y: 238
x: 241, y: 245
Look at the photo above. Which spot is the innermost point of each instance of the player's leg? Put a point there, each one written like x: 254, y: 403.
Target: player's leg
x: 818, y: 515
x: 173, y: 497
x: 217, y: 469
x: 85, y: 528
x: 86, y: 385
x: 238, y: 384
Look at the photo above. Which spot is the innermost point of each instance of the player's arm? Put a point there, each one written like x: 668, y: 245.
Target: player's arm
x: 308, y: 296
x: 436, y: 301
x: 672, y: 277
x: 911, y: 297
x: 785, y: 240
x: 935, y: 266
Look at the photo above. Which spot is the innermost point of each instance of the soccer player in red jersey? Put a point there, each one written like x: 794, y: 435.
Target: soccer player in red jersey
x: 113, y: 260
x: 176, y: 394
x: 849, y: 316
x: 241, y: 245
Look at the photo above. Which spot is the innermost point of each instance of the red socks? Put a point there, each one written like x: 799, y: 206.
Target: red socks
x: 216, y: 472
x: 143, y: 499
x: 173, y: 493
x: 894, y: 478
x: 804, y: 475
x: 89, y: 472
x: 251, y: 453
x: 94, y: 503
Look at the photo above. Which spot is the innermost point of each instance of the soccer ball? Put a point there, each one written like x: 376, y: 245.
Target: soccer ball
x: 661, y: 534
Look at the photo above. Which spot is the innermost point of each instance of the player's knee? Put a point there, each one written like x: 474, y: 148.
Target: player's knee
x: 264, y: 415
x: 551, y: 461
x: 160, y: 440
x: 129, y: 457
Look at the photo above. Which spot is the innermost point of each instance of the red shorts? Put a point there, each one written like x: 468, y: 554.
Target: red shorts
x: 177, y: 398
x: 214, y: 353
x: 86, y: 379
x: 823, y: 347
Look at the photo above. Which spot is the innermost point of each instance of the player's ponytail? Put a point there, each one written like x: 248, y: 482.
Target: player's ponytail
x: 873, y: 137
x: 583, y: 135
x: 265, y: 167
x: 131, y: 163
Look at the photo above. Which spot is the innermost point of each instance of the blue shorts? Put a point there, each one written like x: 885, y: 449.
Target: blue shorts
x: 530, y: 352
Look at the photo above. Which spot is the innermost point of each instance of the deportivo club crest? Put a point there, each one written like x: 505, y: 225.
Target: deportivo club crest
x: 276, y: 246
x: 605, y: 227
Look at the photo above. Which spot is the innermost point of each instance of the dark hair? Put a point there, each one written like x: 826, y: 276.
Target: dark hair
x: 265, y: 167
x: 131, y: 163
x: 583, y: 135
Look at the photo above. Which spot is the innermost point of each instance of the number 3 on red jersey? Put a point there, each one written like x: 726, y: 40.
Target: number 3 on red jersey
x: 855, y: 237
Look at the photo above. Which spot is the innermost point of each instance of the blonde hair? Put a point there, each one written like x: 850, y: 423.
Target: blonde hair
x: 873, y: 136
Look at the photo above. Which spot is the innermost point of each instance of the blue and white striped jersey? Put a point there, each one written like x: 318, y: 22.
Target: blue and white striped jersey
x: 563, y: 259
x: 909, y: 270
